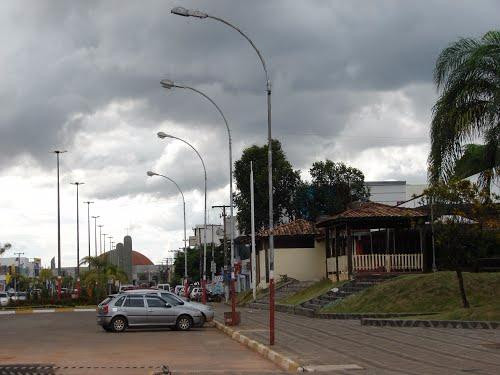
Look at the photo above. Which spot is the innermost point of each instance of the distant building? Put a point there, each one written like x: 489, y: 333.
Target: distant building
x: 393, y: 193
x: 23, y: 266
x: 215, y: 233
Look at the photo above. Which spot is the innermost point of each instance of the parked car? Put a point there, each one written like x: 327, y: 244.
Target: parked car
x: 17, y: 296
x: 196, y: 293
x: 177, y: 289
x: 118, y: 312
x: 164, y: 287
x: 206, y: 310
x: 4, y: 299
x: 126, y: 287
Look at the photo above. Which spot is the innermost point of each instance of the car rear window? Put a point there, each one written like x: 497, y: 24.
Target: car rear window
x: 134, y: 301
x: 106, y: 301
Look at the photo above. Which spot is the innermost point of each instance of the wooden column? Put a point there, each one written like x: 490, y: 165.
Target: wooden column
x: 349, y: 252
x: 337, y: 243
x: 328, y: 250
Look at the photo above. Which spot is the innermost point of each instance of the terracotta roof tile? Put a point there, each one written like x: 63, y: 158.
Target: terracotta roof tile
x: 294, y: 228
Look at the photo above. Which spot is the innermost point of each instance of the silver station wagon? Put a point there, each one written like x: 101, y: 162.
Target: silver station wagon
x: 118, y: 312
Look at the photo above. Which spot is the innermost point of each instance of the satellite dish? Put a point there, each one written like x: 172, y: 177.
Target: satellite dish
x: 219, y: 232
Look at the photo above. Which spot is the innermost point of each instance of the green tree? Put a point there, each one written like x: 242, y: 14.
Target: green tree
x: 468, y: 75
x: 4, y: 247
x: 461, y: 212
x: 285, y: 184
x: 333, y: 187
x: 100, y: 271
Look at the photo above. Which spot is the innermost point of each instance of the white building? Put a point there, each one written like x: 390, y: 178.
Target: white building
x: 394, y: 192
x: 215, y: 233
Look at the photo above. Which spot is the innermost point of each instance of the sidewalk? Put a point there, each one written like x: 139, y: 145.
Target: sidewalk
x: 342, y: 346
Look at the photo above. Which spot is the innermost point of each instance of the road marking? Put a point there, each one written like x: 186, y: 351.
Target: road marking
x: 7, y: 312
x: 44, y: 311
x: 85, y: 310
x: 324, y: 368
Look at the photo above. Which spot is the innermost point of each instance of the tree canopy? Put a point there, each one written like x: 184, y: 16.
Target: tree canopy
x: 286, y: 180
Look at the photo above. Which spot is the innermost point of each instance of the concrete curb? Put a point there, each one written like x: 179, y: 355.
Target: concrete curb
x: 275, y: 357
x: 43, y: 311
x: 431, y: 323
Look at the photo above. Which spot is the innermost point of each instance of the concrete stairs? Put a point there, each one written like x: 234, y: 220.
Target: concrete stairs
x: 358, y: 284
x: 290, y: 287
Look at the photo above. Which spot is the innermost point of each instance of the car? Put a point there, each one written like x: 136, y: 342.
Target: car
x: 126, y: 287
x: 4, y: 299
x: 164, y: 287
x: 206, y: 310
x: 119, y: 312
x: 17, y: 296
x: 177, y: 289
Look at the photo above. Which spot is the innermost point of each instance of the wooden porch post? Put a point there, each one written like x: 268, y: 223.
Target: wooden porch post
x: 420, y: 234
x: 328, y: 250
x: 337, y: 254
x: 349, y: 252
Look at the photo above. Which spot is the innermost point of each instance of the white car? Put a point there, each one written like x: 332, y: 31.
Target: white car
x: 164, y: 287
x: 4, y: 299
x: 18, y: 296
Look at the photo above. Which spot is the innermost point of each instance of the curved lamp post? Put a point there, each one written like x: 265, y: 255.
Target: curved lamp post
x: 186, y: 284
x: 163, y: 135
x: 168, y: 84
x: 180, y: 11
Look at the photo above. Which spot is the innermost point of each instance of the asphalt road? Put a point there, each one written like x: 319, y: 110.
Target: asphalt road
x: 74, y: 342
x: 327, y: 344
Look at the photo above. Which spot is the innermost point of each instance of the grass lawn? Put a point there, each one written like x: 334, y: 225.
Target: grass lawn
x: 315, y: 290
x: 433, y: 292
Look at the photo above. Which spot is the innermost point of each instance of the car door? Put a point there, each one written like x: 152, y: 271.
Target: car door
x: 158, y: 312
x: 136, y: 310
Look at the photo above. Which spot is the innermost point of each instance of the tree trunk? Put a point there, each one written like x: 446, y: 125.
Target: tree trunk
x: 465, y: 303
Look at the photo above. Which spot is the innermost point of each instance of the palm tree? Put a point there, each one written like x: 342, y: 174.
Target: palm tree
x: 468, y: 75
x: 100, y: 271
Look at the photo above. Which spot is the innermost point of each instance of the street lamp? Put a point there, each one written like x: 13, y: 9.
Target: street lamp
x: 186, y: 284
x: 77, y: 184
x: 163, y: 135
x: 88, y: 221
x: 168, y: 84
x: 58, y: 152
x: 104, y: 242
x: 95, y: 232
x: 100, y: 238
x: 180, y: 11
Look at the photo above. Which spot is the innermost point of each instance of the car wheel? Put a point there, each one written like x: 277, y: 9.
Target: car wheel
x: 184, y: 323
x: 119, y: 324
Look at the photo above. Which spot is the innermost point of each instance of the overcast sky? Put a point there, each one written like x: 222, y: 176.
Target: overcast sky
x: 352, y: 81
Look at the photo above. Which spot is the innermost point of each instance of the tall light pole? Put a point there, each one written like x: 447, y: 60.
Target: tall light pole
x: 104, y: 242
x: 168, y: 84
x: 100, y: 238
x: 95, y: 233
x: 186, y: 283
x: 77, y: 184
x: 180, y: 11
x: 58, y: 152
x: 162, y: 135
x: 88, y: 203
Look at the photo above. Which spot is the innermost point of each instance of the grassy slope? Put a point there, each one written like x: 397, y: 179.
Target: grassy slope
x: 315, y: 290
x: 430, y: 293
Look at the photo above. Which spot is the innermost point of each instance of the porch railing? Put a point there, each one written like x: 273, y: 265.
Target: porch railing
x: 388, y: 262
x: 378, y: 262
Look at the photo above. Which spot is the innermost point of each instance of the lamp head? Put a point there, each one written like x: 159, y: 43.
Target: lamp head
x: 163, y: 135
x: 151, y: 174
x: 167, y: 83
x: 181, y: 11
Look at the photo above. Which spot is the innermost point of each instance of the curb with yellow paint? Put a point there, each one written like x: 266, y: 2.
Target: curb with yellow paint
x: 275, y: 357
x: 43, y: 311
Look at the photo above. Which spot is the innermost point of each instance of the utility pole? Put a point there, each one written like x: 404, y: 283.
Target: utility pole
x: 77, y: 228
x: 88, y: 203
x: 233, y: 297
x: 58, y: 153
x: 252, y: 220
x: 95, y: 233
x: 19, y: 268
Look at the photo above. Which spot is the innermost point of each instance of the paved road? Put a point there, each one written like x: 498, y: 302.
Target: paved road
x: 74, y: 340
x: 378, y: 350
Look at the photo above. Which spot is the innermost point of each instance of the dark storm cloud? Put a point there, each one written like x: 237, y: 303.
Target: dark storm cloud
x: 327, y: 60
